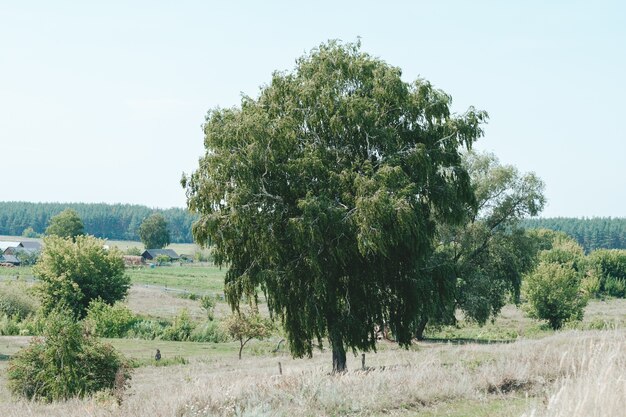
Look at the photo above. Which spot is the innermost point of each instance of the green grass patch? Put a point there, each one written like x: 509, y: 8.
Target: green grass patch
x: 195, y: 279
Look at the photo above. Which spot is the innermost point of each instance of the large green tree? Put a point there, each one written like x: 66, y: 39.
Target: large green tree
x: 73, y: 273
x: 66, y: 224
x: 325, y: 192
x: 153, y: 232
x: 478, y: 264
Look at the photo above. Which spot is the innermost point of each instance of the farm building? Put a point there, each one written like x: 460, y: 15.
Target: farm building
x: 31, y: 245
x: 9, y: 259
x: 150, y: 254
x: 4, y: 245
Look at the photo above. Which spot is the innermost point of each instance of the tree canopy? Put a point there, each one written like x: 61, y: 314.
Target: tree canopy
x: 154, y: 233
x: 66, y: 224
x: 478, y: 264
x: 325, y: 192
x: 73, y: 273
x: 106, y: 221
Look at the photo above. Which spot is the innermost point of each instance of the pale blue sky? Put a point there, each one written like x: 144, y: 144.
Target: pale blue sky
x: 103, y: 101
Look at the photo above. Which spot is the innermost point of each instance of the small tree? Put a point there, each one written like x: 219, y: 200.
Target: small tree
x: 66, y: 224
x: 30, y: 232
x: 208, y: 302
x: 245, y: 326
x: 75, y: 273
x: 153, y: 232
x: 553, y: 293
x: 65, y: 363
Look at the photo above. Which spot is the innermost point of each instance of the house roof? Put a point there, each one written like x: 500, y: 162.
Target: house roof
x: 7, y: 244
x: 31, y: 244
x: 13, y: 250
x: 9, y: 259
x: 156, y: 252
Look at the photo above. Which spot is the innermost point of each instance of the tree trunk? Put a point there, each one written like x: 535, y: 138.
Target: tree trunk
x: 339, y: 356
x: 421, y: 326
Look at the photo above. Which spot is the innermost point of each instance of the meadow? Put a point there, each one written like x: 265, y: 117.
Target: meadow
x: 511, y: 366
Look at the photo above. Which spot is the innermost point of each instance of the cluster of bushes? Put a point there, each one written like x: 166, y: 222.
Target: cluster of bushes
x: 118, y: 321
x: 66, y: 362
x: 559, y: 287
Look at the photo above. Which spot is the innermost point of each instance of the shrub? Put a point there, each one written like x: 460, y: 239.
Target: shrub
x: 110, y: 321
x: 208, y: 302
x: 15, y: 300
x: 553, y: 294
x: 65, y: 363
x: 73, y: 273
x: 133, y: 251
x: 245, y: 326
x: 615, y: 287
x: 181, y: 328
x: 209, y: 332
x: 9, y: 325
x: 147, y: 329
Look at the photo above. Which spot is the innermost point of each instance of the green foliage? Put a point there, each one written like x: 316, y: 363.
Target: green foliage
x: 210, y: 331
x: 592, y: 234
x: 66, y: 224
x: 181, y: 328
x: 110, y: 221
x: 72, y: 274
x: 610, y: 266
x: 553, y: 293
x: 147, y: 329
x: 65, y: 363
x: 110, y: 320
x: 9, y: 325
x: 208, y: 302
x: 153, y: 232
x: 479, y: 263
x: 133, y: 251
x: 162, y: 259
x: 27, y: 257
x: 245, y: 326
x: 16, y: 300
x: 30, y: 232
x: 325, y: 190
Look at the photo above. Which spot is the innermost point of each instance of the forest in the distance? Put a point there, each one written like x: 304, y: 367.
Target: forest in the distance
x: 591, y: 233
x: 121, y: 222
x: 109, y: 221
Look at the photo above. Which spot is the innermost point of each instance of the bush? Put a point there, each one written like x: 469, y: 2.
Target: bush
x: 615, y: 287
x: 209, y: 332
x: 110, y: 321
x: 208, y: 302
x: 73, y: 273
x: 133, y: 251
x: 147, y: 329
x: 9, y: 325
x: 181, y: 328
x: 553, y: 293
x: 65, y: 363
x: 15, y: 300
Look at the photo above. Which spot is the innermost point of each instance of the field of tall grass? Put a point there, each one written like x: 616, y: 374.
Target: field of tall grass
x: 573, y: 373
x: 513, y: 366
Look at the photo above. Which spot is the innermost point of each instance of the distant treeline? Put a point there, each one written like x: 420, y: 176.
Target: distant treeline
x: 594, y: 233
x: 110, y: 221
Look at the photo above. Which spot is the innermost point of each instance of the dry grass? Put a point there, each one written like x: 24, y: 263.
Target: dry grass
x: 397, y: 382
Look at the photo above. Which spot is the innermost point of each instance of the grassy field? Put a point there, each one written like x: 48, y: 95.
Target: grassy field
x: 527, y: 377
x: 512, y: 366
